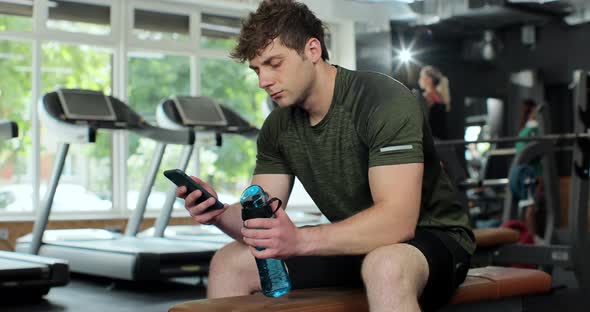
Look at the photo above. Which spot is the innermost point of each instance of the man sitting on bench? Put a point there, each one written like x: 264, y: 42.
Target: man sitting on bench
x: 360, y: 146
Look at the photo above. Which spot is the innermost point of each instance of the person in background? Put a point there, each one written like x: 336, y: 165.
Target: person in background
x: 438, y: 99
x: 529, y: 126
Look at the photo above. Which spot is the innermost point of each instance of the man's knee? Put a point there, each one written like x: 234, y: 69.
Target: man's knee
x: 399, y: 265
x: 380, y: 264
x: 233, y: 266
x: 233, y: 258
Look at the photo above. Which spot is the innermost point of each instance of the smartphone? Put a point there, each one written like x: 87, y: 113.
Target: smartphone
x: 180, y: 178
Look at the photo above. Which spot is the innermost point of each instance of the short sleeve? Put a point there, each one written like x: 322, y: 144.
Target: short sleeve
x: 394, y: 131
x: 269, y: 159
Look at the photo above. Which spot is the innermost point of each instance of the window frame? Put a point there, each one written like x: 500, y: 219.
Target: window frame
x: 121, y: 41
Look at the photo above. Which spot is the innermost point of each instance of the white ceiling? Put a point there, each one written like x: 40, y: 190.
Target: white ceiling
x: 367, y: 11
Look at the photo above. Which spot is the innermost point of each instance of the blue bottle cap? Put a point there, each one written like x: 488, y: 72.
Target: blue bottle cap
x: 253, y: 197
x: 250, y: 191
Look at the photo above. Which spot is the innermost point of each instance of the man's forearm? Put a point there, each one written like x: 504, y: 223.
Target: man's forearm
x: 231, y: 221
x: 359, y: 234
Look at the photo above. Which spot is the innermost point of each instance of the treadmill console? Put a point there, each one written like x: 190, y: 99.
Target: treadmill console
x: 85, y: 105
x: 199, y: 111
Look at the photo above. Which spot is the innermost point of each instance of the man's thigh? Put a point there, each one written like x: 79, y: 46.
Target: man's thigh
x: 447, y: 263
x: 325, y: 271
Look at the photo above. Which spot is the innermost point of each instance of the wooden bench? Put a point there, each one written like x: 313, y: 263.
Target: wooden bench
x: 489, y: 283
x: 481, y: 285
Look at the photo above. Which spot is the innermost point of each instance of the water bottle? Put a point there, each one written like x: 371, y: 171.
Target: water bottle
x: 273, y: 273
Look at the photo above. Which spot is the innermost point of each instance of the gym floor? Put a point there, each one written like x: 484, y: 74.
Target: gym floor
x: 566, y: 296
x: 90, y: 294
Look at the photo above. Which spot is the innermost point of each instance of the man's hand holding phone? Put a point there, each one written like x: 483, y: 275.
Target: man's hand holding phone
x: 200, y: 199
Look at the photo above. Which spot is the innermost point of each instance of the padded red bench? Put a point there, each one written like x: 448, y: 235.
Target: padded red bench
x: 493, y: 237
x: 489, y: 283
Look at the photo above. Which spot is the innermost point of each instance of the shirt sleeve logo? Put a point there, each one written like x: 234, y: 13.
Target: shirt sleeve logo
x: 396, y: 148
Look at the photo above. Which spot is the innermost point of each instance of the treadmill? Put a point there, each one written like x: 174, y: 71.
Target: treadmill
x: 23, y: 275
x: 203, y: 114
x: 77, y: 115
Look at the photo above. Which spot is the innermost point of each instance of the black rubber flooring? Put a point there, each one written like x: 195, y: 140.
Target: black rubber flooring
x: 90, y: 294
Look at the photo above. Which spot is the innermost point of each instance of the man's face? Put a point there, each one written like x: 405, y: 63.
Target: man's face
x: 284, y: 74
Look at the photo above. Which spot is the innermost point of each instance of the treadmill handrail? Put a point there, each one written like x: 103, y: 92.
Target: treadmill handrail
x: 126, y: 119
x: 168, y: 116
x: 69, y: 132
x: 164, y: 135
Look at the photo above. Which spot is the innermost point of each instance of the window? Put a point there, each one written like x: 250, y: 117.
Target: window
x: 151, y: 25
x: 79, y: 17
x: 152, y: 78
x: 16, y: 16
x: 86, y: 182
x: 219, y: 32
x: 78, y: 49
x: 329, y: 45
x: 229, y: 167
x: 15, y: 99
x: 475, y: 153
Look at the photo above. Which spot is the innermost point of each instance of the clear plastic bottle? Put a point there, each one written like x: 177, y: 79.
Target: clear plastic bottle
x: 274, y: 278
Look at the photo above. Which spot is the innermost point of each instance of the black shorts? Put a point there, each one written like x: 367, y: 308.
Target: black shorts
x: 448, y: 264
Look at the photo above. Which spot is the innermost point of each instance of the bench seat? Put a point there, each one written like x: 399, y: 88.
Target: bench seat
x: 493, y: 237
x: 489, y: 283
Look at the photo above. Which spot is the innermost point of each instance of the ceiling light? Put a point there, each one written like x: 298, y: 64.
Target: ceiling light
x: 405, y: 56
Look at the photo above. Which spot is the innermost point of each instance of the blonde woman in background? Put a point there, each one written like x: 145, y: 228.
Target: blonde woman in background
x: 438, y: 99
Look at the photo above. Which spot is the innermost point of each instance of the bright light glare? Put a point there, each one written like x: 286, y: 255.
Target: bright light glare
x: 405, y: 56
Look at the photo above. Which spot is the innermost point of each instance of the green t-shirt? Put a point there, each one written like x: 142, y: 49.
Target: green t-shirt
x: 373, y: 121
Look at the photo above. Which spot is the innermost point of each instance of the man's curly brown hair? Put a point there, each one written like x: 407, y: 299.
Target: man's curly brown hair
x: 292, y: 22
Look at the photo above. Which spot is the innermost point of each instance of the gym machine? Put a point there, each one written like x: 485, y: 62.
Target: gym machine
x: 24, y: 276
x: 77, y: 115
x: 574, y: 254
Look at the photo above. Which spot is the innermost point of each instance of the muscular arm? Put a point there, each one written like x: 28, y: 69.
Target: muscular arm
x: 396, y: 192
x: 278, y: 185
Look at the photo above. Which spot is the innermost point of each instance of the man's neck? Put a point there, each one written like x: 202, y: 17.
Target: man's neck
x: 320, y: 96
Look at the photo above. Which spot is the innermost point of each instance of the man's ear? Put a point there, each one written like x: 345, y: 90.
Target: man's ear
x: 313, y: 50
